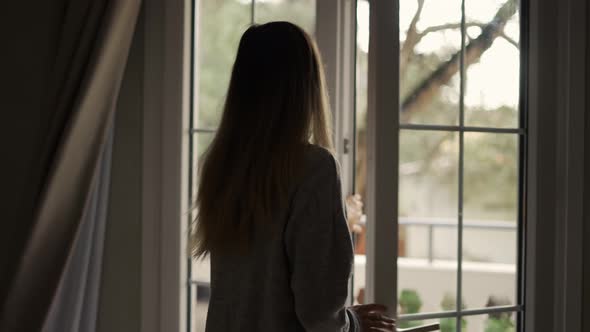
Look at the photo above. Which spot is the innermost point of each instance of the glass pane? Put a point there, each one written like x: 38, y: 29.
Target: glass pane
x: 491, y: 177
x: 490, y: 214
x: 450, y: 324
x: 428, y: 174
x: 362, y: 47
x: 492, y: 63
x: 496, y: 322
x: 216, y: 46
x: 201, y: 142
x: 200, y: 293
x: 300, y: 12
x: 428, y: 183
x: 430, y: 44
x: 403, y: 324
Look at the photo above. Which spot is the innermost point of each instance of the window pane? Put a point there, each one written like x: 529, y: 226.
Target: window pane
x: 496, y: 322
x: 491, y: 177
x: 216, y: 46
x: 430, y: 43
x: 428, y: 182
x: 201, y: 142
x: 362, y: 44
x: 300, y: 12
x: 200, y: 292
x: 428, y: 174
x: 402, y: 324
x: 200, y: 269
x: 492, y: 63
x: 490, y: 214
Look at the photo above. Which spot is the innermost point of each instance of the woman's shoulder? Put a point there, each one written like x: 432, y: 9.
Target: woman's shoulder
x: 320, y: 159
x: 315, y: 154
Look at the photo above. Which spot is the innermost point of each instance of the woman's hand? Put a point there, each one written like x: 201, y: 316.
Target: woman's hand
x: 354, y: 212
x: 372, y: 318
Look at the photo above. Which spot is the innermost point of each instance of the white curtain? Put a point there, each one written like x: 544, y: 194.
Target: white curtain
x: 75, y: 305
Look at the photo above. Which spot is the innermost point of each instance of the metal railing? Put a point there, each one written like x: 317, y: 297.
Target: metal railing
x: 432, y: 223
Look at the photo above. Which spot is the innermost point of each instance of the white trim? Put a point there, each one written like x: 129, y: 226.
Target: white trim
x: 166, y: 84
x: 336, y: 39
x: 382, y: 154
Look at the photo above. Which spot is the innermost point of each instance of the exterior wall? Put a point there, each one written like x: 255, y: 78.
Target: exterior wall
x: 433, y: 280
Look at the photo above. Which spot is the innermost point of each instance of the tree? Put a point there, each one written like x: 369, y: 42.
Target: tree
x: 431, y: 158
x: 431, y: 85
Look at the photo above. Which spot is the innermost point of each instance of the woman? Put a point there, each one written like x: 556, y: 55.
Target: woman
x: 270, y: 212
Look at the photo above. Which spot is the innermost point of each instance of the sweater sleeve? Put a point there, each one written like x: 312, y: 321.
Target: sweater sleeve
x: 319, y: 250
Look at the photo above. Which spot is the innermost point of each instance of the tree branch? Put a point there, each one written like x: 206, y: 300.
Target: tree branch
x: 509, y: 39
x: 453, y: 26
x: 450, y: 26
x: 412, y: 38
x: 425, y: 91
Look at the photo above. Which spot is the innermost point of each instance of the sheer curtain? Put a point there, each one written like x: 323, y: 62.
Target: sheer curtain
x: 74, y: 307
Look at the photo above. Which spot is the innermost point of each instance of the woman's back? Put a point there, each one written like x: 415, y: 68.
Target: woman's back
x: 295, y: 278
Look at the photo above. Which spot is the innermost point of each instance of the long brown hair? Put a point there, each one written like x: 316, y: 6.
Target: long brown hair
x: 276, y: 105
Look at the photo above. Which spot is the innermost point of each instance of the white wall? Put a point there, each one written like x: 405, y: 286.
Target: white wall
x: 433, y: 280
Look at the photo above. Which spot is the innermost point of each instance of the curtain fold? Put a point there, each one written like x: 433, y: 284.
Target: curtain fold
x: 65, y: 185
x: 75, y: 304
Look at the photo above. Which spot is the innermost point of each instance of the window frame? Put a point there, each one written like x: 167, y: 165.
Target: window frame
x: 165, y: 32
x: 383, y: 149
x: 551, y: 135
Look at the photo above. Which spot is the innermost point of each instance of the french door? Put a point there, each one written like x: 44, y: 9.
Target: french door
x: 430, y: 130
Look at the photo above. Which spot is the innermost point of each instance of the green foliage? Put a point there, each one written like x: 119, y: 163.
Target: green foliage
x: 300, y: 12
x: 221, y: 24
x: 410, y: 303
x: 216, y: 46
x: 450, y: 325
x: 449, y: 303
x: 502, y: 324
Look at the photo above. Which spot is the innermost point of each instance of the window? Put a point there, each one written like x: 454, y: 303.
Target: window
x: 462, y: 140
x: 461, y: 161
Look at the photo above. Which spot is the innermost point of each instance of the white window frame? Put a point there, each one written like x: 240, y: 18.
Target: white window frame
x: 167, y: 50
x: 383, y: 145
x: 555, y: 161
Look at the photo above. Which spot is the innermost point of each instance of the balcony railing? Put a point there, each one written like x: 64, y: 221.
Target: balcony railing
x: 432, y: 223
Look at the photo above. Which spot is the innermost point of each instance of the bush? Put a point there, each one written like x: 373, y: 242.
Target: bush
x: 410, y: 303
x: 504, y: 324
x: 449, y: 303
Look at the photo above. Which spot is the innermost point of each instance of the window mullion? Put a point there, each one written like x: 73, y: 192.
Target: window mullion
x: 459, y: 298
x: 382, y: 153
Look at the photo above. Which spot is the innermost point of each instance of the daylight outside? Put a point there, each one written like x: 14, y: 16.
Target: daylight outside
x: 460, y: 144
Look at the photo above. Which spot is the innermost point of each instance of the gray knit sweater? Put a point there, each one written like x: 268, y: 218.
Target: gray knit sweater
x: 297, y: 280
